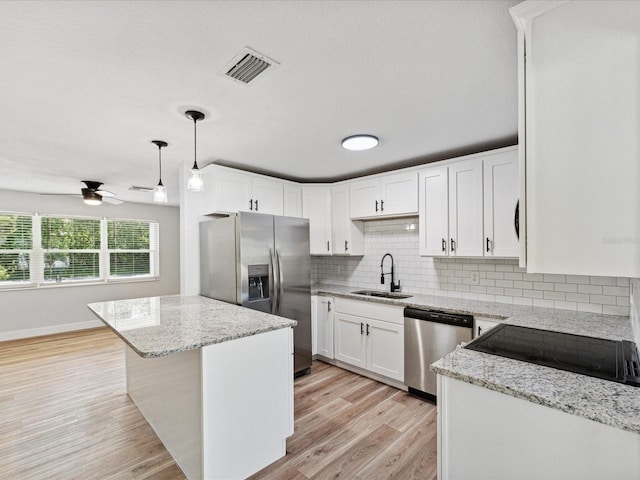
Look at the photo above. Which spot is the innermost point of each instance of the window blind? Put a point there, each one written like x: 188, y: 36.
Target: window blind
x: 71, y: 248
x: 133, y: 247
x: 16, y: 245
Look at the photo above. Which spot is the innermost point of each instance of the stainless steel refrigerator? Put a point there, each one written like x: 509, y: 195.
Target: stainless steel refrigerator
x: 261, y: 262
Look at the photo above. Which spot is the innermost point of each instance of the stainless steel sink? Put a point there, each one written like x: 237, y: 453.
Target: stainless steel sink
x: 378, y: 293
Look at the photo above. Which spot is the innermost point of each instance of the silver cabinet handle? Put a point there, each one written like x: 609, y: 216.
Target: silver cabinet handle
x: 328, y: 246
x: 376, y: 205
x: 346, y: 246
x: 256, y: 205
x: 453, y: 245
x: 251, y: 204
x: 329, y: 306
x: 444, y: 245
x: 361, y: 328
x: 382, y: 205
x: 487, y: 244
x: 367, y: 329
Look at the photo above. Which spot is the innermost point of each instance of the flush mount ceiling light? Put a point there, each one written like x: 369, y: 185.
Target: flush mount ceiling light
x: 360, y: 142
x: 160, y: 192
x: 195, y: 183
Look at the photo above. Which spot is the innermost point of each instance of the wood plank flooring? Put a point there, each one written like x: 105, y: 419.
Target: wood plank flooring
x: 65, y: 414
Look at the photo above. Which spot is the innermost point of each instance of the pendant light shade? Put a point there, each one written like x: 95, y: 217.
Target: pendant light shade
x: 195, y: 183
x: 160, y: 192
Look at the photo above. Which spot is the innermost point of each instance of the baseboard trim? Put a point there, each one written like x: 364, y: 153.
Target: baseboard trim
x: 41, y: 331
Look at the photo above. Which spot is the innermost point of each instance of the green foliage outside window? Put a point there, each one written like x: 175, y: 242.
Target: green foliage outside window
x: 131, y: 242
x: 65, y: 234
x: 15, y: 234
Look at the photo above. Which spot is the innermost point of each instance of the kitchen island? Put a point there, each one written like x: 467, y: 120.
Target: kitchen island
x: 214, y: 380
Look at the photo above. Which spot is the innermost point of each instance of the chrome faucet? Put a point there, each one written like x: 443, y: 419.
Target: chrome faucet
x: 394, y: 287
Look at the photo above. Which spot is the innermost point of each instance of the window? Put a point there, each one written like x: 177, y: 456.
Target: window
x: 16, y: 244
x: 51, y: 250
x: 132, y: 248
x: 71, y: 248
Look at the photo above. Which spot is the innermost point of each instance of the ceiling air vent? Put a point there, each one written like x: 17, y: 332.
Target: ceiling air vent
x: 247, y: 65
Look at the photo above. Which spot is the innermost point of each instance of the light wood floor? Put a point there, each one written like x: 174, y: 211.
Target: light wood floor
x: 65, y: 414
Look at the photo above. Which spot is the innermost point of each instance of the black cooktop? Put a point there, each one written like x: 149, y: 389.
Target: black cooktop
x: 596, y: 357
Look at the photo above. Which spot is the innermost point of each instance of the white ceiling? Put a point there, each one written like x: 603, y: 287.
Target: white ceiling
x: 85, y: 87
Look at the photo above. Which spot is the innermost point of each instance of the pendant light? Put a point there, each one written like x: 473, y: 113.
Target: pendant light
x: 195, y: 183
x: 160, y: 192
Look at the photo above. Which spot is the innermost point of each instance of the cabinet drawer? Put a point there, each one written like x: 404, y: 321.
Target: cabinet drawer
x: 377, y: 311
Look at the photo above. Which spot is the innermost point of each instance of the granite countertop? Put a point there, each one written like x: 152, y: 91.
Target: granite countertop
x: 602, y: 401
x: 158, y: 326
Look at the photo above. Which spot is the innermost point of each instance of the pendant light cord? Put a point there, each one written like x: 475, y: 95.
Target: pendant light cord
x: 195, y: 145
x: 160, y: 164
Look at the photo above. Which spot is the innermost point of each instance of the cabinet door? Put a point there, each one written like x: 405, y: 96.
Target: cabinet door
x: 314, y: 324
x: 364, y: 198
x: 582, y: 149
x: 347, y: 234
x: 268, y: 196
x: 340, y: 219
x: 316, y: 206
x: 292, y: 201
x: 500, y: 198
x: 385, y: 348
x: 465, y: 209
x: 399, y: 194
x: 232, y: 191
x: 349, y: 339
x: 324, y: 326
x: 434, y: 212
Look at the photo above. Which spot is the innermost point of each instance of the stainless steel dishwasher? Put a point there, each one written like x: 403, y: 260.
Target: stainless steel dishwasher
x: 428, y: 336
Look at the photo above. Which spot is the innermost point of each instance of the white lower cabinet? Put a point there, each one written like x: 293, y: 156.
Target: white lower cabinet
x: 487, y: 435
x: 370, y: 336
x: 322, y: 308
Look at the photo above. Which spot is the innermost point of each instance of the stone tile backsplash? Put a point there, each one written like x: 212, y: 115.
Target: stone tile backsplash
x: 497, y: 280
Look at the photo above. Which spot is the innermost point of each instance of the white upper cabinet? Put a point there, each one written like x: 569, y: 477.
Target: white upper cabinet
x: 451, y: 210
x: 316, y: 206
x: 347, y: 234
x: 465, y: 209
x: 500, y: 200
x: 434, y: 212
x: 292, y: 201
x: 579, y: 104
x: 390, y: 195
x: 230, y: 191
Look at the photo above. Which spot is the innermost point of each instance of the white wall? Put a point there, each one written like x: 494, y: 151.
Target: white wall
x: 500, y: 280
x: 39, y: 311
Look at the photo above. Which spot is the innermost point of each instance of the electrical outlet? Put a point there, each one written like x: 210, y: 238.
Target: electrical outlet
x: 475, y: 278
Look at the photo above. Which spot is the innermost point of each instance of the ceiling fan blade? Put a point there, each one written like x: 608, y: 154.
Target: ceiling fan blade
x: 111, y: 200
x: 63, y: 194
x: 105, y: 193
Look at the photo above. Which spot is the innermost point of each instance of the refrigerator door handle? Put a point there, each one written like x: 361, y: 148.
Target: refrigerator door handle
x: 280, y: 281
x: 272, y: 287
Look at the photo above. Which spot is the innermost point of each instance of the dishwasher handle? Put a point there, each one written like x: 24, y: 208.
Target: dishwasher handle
x: 457, y: 319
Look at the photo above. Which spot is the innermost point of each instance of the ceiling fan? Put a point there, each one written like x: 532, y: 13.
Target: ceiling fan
x: 92, y: 194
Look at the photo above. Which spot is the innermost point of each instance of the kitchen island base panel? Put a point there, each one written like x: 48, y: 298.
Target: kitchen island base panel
x: 166, y: 390
x: 484, y: 434
x: 222, y: 411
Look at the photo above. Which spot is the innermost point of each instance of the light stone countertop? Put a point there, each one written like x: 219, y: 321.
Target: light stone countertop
x: 603, y: 401
x: 158, y: 326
